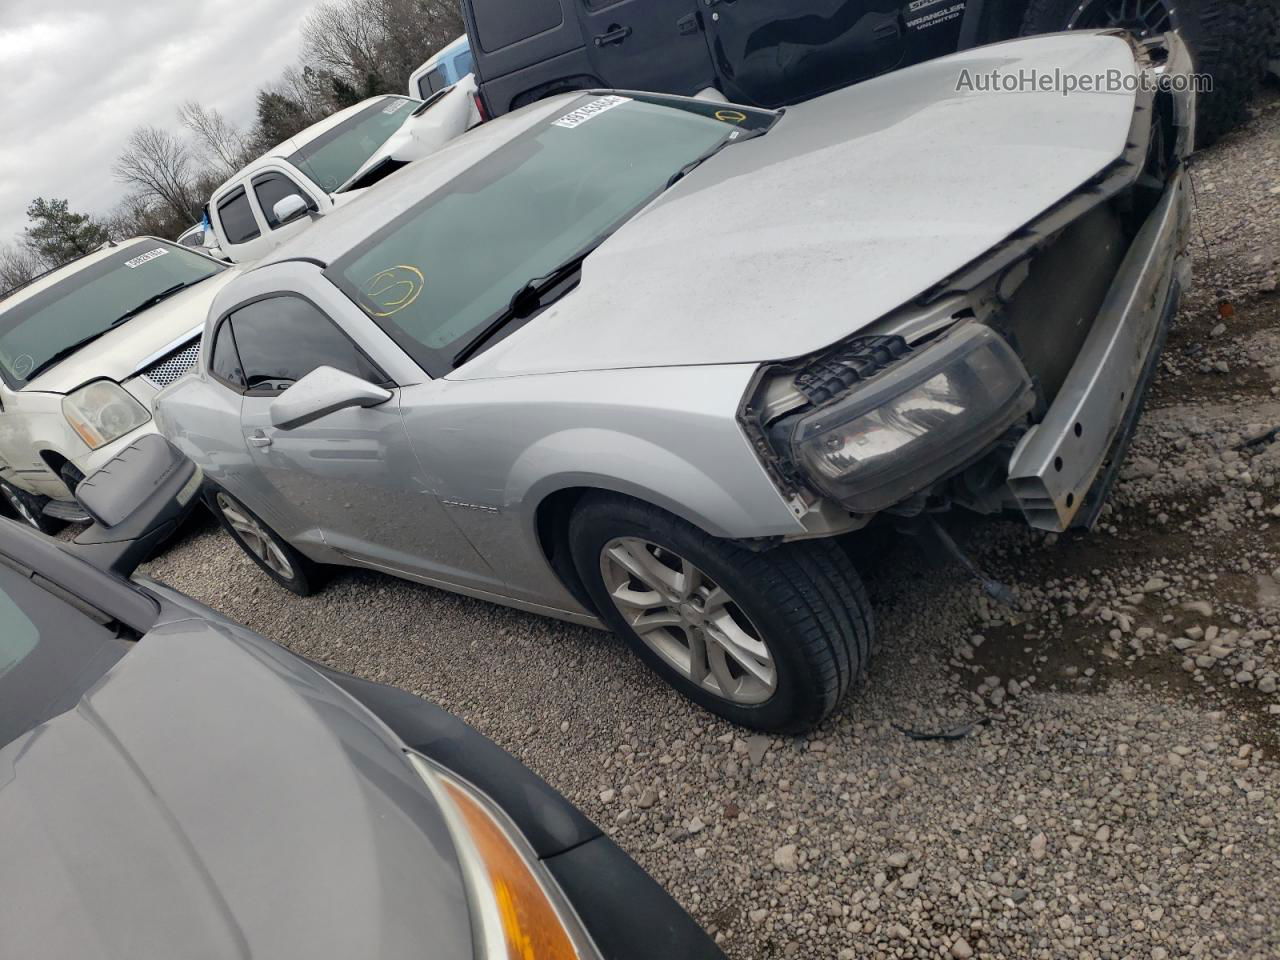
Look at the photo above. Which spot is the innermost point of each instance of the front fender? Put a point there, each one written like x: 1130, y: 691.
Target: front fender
x: 637, y: 467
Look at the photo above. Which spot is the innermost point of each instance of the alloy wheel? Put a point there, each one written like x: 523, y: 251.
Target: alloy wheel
x: 1145, y: 18
x: 260, y: 541
x: 688, y: 620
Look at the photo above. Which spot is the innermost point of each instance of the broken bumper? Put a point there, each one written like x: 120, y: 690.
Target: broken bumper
x: 1058, y: 463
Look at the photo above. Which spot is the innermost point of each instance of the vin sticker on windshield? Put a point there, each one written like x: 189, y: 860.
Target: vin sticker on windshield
x: 149, y: 255
x: 577, y: 118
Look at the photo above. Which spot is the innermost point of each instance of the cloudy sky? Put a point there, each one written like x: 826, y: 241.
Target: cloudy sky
x: 78, y: 75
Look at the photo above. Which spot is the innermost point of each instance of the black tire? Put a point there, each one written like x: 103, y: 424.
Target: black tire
x: 306, y: 575
x: 26, y: 508
x: 804, y: 600
x: 1226, y: 39
x: 1269, y: 30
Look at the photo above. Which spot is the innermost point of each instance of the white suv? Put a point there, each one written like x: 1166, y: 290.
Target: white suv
x: 83, y: 352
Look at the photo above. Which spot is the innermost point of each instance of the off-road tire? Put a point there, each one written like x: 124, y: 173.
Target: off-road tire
x: 307, y: 574
x: 805, y: 599
x: 26, y: 508
x: 1226, y: 39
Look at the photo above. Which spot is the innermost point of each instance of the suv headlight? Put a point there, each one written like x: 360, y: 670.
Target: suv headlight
x: 518, y: 912
x: 915, y: 423
x: 103, y: 411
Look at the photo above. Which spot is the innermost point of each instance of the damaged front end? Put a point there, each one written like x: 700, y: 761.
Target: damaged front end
x: 1014, y: 384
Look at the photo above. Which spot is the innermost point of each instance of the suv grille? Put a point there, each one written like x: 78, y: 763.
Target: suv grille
x: 174, y: 365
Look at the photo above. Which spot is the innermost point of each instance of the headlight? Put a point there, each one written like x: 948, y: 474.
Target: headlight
x: 103, y: 411
x: 915, y: 423
x: 518, y: 914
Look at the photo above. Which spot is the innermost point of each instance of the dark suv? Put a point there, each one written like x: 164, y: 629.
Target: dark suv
x: 771, y: 53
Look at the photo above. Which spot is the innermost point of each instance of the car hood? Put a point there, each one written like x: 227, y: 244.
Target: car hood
x: 851, y: 206
x: 214, y: 797
x: 119, y: 354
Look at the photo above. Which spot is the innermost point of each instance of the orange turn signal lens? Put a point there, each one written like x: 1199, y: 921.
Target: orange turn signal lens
x: 530, y: 922
x: 517, y: 911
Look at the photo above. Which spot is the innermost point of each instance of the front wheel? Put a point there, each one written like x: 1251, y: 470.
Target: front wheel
x: 771, y: 640
x: 26, y: 508
x: 1227, y: 40
x: 280, y: 561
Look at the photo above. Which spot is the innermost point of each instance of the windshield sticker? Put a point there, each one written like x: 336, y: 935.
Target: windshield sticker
x: 577, y: 118
x: 23, y: 365
x: 148, y: 256
x: 395, y: 106
x: 393, y: 289
x: 731, y: 116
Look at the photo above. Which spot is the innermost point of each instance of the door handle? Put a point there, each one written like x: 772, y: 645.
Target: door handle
x: 613, y: 35
x: 259, y: 439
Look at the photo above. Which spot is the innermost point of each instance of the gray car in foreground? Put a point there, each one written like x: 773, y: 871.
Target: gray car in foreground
x: 652, y: 363
x: 174, y: 785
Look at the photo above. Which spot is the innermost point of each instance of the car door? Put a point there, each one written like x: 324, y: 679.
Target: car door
x: 350, y: 478
x: 775, y: 52
x: 237, y: 224
x: 270, y: 187
x: 647, y: 45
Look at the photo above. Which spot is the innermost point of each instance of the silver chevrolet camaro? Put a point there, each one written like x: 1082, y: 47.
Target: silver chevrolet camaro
x: 654, y: 363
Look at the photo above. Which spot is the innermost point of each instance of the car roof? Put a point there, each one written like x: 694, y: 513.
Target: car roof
x: 58, y: 274
x: 300, y: 139
x: 351, y: 224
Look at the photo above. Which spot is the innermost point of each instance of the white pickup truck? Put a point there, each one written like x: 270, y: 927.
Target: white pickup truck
x: 83, y: 352
x: 327, y: 164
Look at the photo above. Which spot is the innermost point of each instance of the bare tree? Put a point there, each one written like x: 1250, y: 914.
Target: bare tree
x: 18, y: 265
x: 218, y: 138
x: 158, y: 165
x: 372, y: 45
x: 343, y: 37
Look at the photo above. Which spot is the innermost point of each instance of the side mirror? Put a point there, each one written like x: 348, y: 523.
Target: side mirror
x: 290, y: 208
x: 321, y: 392
x: 137, y: 500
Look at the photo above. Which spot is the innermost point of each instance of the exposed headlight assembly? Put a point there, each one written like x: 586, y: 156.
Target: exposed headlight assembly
x: 915, y: 423
x: 103, y: 411
x: 518, y: 913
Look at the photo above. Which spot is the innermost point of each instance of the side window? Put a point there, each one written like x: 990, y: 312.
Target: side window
x: 237, y: 218
x: 282, y: 339
x: 501, y: 23
x: 50, y: 654
x: 224, y: 363
x: 271, y: 188
x: 463, y: 63
x: 431, y: 82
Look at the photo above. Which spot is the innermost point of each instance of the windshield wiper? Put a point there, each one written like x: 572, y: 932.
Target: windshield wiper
x: 151, y: 301
x: 123, y: 318
x: 64, y: 353
x: 533, y: 296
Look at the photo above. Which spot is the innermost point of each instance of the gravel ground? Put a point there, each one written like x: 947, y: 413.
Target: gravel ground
x: 1112, y: 791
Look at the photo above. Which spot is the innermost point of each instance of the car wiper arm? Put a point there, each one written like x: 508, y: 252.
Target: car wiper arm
x: 525, y: 301
x: 124, y: 317
x: 64, y: 353
x: 151, y: 301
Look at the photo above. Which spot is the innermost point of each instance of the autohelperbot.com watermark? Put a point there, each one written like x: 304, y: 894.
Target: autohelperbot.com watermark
x: 1067, y: 83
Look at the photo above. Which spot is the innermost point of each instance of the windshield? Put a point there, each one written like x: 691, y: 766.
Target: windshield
x: 88, y: 301
x: 50, y: 654
x: 443, y: 269
x: 332, y: 158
